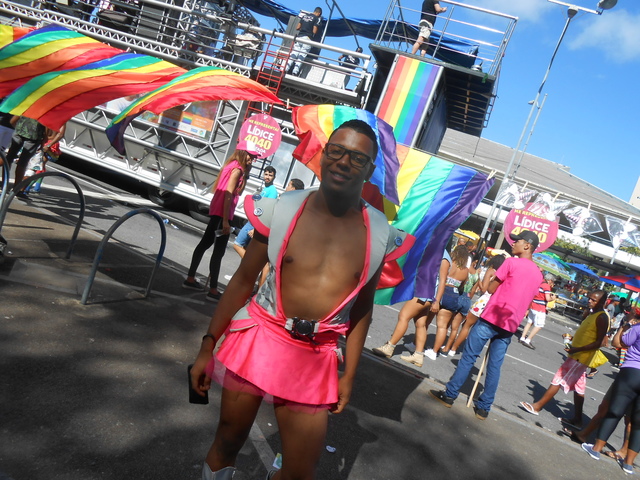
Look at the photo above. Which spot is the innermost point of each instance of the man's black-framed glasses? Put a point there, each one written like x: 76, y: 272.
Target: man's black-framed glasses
x: 336, y: 152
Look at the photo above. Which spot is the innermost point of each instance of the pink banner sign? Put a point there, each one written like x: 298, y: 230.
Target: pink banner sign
x: 260, y: 133
x: 519, y: 219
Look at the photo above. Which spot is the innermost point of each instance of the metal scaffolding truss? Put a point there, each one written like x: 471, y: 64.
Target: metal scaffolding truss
x: 190, y: 33
x: 180, y: 163
x: 175, y: 49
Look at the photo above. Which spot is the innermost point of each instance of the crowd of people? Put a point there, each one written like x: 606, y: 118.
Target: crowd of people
x: 510, y: 292
x: 473, y: 305
x: 281, y: 315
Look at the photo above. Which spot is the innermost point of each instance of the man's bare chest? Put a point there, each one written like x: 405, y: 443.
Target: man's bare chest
x: 333, y: 244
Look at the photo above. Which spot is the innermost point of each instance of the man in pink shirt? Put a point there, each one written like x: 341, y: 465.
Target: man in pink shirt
x: 513, y: 288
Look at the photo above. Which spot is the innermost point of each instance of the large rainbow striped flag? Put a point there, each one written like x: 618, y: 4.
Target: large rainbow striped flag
x: 408, y: 90
x: 315, y: 123
x: 54, y: 98
x: 10, y: 34
x: 436, y: 197
x: 199, y: 84
x: 45, y: 50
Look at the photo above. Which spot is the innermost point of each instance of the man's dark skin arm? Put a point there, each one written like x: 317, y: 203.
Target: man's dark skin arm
x: 442, y: 283
x: 236, y: 295
x: 617, y: 338
x: 55, y: 138
x: 493, y: 286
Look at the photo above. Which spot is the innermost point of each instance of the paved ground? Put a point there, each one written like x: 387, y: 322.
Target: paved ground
x: 98, y: 391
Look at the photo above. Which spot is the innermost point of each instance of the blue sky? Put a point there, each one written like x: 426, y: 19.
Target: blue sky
x: 590, y: 121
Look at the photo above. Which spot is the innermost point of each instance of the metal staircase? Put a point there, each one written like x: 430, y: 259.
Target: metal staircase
x: 271, y: 73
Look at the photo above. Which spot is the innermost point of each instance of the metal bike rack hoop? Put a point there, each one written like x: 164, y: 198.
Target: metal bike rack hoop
x: 105, y: 240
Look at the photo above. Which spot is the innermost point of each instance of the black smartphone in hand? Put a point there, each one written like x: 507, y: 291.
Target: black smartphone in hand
x: 194, y: 397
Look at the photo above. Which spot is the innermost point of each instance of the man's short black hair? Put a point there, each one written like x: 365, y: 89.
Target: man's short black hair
x: 363, y: 128
x: 603, y: 297
x: 297, y: 184
x: 270, y: 169
x: 318, y: 10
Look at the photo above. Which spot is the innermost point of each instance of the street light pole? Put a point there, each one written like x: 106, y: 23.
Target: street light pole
x: 533, y: 127
x: 512, y: 167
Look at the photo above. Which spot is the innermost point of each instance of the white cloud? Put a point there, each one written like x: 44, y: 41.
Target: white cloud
x: 525, y: 10
x: 616, y: 33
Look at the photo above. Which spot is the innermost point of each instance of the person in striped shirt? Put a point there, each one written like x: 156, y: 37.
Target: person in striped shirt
x: 538, y: 311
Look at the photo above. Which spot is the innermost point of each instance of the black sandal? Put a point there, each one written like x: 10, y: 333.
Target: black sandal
x: 571, y: 434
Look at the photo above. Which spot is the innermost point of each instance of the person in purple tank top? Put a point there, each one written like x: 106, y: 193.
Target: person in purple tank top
x: 625, y: 392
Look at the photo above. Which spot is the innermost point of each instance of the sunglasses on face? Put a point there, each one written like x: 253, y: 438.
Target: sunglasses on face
x: 334, y: 151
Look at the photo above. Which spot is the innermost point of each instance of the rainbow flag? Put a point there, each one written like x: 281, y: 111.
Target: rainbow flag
x: 54, y: 98
x: 436, y: 197
x: 204, y: 83
x: 315, y: 123
x: 405, y: 99
x: 10, y: 34
x: 45, y: 50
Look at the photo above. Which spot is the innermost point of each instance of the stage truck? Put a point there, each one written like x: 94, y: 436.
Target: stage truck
x: 179, y: 152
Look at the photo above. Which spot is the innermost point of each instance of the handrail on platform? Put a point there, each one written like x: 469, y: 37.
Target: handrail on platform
x: 105, y: 240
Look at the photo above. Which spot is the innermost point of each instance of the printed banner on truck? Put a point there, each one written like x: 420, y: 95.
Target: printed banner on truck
x: 195, y: 118
x: 260, y: 133
x: 519, y: 219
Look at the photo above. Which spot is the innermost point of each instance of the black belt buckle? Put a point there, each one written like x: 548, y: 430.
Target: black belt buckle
x: 303, y: 328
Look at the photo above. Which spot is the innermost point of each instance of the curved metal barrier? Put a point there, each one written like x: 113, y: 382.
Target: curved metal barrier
x: 5, y: 179
x: 107, y: 236
x: 5, y: 202
x: 3, y: 193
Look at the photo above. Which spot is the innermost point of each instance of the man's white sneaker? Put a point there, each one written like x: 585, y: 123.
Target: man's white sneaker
x: 430, y: 354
